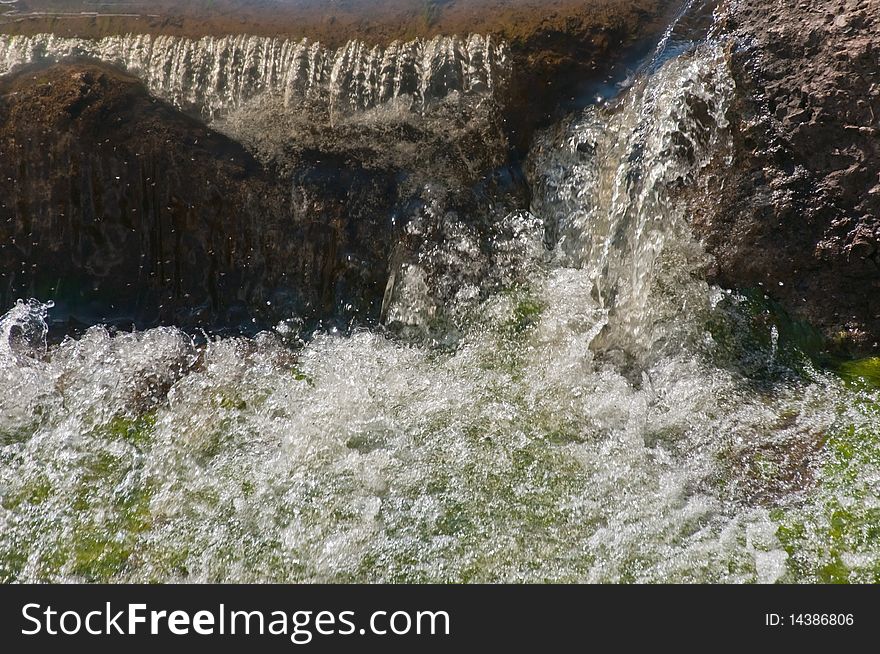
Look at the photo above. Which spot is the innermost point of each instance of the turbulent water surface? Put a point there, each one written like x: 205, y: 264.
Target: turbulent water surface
x: 586, y: 408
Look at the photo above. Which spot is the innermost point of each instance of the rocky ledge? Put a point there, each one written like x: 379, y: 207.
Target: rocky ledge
x: 135, y: 212
x: 106, y: 186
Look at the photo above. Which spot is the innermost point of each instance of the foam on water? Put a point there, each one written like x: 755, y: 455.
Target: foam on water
x: 586, y: 423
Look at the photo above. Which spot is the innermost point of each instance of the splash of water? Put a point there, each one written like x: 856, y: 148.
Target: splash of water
x: 606, y: 187
x: 23, y: 331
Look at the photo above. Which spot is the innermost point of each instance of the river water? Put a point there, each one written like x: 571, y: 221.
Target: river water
x: 598, y: 413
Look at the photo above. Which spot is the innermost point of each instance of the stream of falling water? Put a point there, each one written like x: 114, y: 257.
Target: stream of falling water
x: 215, y: 75
x: 607, y: 416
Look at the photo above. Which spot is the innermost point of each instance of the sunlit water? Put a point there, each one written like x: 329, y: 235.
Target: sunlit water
x: 594, y: 412
x: 215, y: 75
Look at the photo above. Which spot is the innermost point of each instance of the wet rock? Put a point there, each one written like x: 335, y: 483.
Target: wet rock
x: 136, y: 213
x: 560, y: 48
x: 796, y: 214
x: 125, y: 211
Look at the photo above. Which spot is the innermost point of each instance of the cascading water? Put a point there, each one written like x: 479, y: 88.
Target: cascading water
x: 590, y: 421
x: 606, y: 191
x: 213, y: 76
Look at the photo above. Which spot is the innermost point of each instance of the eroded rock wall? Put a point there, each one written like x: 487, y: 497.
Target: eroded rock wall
x: 798, y: 212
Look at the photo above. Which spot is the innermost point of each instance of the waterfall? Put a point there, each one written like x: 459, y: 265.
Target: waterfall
x: 214, y: 75
x: 607, y: 187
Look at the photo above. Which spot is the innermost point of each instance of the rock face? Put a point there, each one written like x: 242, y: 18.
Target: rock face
x: 799, y: 212
x: 124, y: 210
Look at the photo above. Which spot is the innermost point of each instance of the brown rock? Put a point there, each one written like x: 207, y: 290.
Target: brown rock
x: 124, y: 210
x: 800, y: 209
x: 557, y: 45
